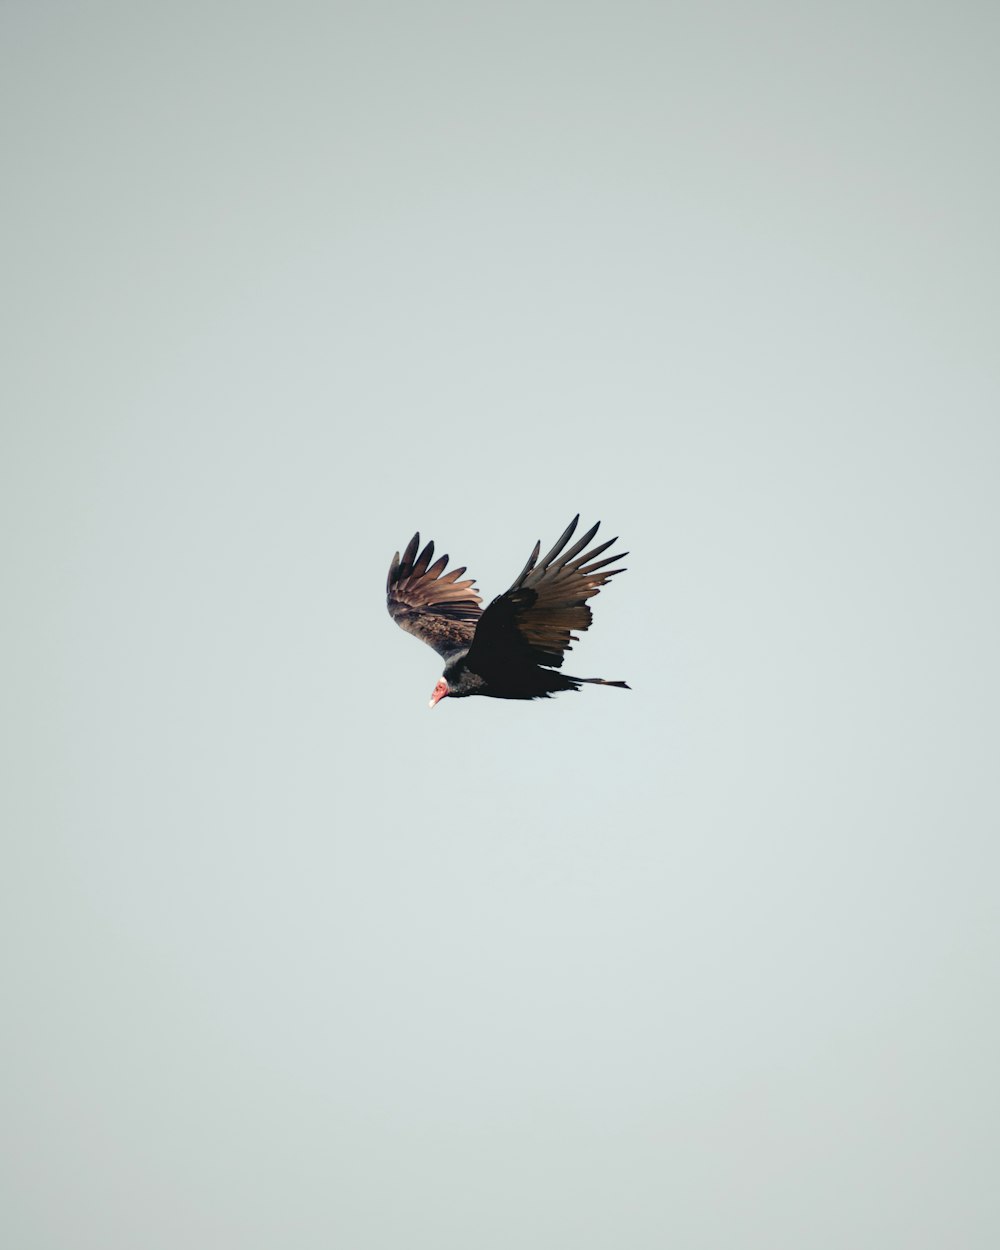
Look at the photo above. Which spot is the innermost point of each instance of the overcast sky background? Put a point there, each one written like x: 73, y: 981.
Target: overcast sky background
x: 291, y: 959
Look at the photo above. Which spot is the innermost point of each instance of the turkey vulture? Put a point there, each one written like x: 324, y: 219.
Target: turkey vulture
x: 512, y: 649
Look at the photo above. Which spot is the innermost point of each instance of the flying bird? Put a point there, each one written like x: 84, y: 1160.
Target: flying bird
x: 512, y: 649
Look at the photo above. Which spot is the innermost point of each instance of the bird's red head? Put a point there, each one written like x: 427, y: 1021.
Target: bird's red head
x: 440, y: 690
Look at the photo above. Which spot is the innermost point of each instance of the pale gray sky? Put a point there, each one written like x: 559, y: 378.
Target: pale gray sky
x: 291, y: 960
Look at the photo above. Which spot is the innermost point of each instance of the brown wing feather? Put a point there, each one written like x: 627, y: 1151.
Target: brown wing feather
x: 432, y: 605
x: 536, y: 617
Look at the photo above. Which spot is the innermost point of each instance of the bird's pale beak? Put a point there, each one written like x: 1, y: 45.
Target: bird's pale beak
x: 440, y: 690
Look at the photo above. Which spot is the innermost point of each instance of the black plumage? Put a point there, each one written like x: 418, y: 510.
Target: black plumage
x: 512, y: 649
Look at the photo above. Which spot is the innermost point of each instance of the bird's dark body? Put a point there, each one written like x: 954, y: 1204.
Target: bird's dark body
x: 522, y: 681
x: 513, y: 649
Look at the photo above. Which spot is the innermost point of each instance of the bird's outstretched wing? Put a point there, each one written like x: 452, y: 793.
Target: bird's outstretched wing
x: 432, y: 605
x: 534, y: 620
